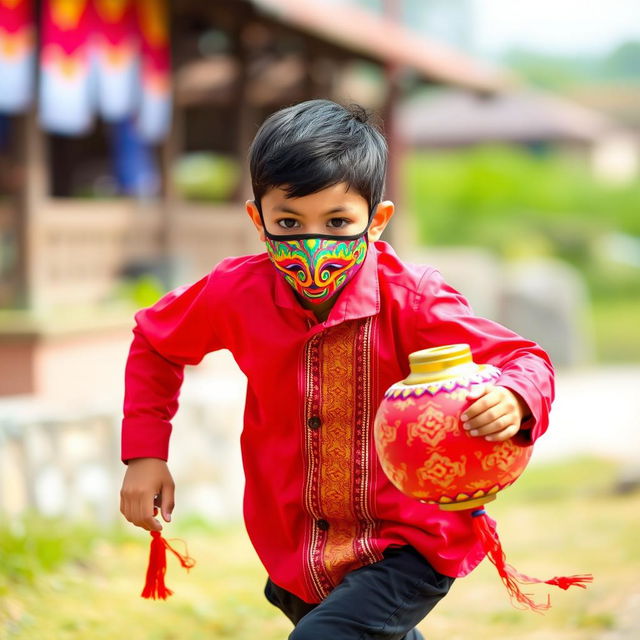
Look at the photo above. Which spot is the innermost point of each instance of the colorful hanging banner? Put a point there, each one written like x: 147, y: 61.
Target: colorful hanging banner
x: 116, y: 55
x: 65, y: 78
x: 17, y: 55
x: 154, y: 117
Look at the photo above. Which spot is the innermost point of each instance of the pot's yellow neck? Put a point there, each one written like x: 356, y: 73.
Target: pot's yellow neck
x: 440, y: 363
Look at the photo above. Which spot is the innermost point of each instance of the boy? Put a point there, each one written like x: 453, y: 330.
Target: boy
x: 321, y: 324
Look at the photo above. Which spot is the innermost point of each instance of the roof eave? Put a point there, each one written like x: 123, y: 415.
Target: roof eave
x: 387, y: 42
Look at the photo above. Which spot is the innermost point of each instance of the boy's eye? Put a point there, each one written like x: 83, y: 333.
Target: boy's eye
x: 288, y: 223
x: 338, y: 223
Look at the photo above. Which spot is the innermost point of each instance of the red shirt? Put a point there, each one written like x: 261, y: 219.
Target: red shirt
x: 317, y: 503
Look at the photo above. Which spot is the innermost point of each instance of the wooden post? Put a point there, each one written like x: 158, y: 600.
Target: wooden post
x: 393, y: 13
x: 33, y: 192
x: 168, y: 205
x: 246, y: 130
x: 245, y: 114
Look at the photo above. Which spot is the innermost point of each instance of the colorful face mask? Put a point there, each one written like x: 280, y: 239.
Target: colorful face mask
x: 317, y: 267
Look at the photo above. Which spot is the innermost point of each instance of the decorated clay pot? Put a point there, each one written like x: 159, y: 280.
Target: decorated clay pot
x: 428, y: 455
x: 420, y: 440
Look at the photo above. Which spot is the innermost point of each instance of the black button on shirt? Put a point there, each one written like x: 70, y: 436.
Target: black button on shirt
x: 314, y: 422
x: 323, y: 525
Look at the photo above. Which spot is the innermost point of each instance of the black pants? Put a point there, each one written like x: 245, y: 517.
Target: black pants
x: 385, y: 601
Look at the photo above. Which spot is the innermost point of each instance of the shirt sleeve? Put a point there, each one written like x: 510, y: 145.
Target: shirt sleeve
x: 445, y: 317
x: 179, y: 329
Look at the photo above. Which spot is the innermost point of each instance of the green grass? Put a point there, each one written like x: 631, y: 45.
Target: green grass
x: 34, y: 546
x: 558, y: 519
x: 97, y: 596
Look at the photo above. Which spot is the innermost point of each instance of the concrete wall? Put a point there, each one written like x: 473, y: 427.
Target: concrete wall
x: 63, y: 459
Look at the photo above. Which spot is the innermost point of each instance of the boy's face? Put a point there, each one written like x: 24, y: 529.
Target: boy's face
x: 336, y: 211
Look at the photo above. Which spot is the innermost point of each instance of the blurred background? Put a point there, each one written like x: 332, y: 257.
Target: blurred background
x: 514, y: 138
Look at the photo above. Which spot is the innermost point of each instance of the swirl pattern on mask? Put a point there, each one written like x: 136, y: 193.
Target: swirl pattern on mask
x: 317, y: 268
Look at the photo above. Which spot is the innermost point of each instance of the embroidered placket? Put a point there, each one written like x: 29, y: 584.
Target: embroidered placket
x: 338, y: 454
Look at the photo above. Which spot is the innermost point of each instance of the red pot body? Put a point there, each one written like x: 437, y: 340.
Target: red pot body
x: 427, y: 454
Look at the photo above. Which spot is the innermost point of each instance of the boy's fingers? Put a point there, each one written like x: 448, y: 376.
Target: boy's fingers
x: 142, y: 515
x: 167, y: 502
x: 505, y: 434
x: 493, y: 426
x: 149, y: 522
x: 488, y: 416
x: 486, y: 402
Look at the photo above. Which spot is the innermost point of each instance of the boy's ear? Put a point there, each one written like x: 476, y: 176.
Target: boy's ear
x: 381, y: 216
x: 254, y: 214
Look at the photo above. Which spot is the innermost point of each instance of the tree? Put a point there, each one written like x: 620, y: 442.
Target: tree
x: 623, y: 63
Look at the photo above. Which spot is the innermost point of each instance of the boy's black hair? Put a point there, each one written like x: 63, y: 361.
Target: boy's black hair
x: 317, y: 144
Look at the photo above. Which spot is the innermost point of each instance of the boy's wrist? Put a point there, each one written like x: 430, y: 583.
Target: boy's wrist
x: 134, y: 460
x: 523, y: 408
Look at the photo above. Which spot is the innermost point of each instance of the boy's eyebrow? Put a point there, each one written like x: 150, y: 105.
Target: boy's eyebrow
x: 285, y: 209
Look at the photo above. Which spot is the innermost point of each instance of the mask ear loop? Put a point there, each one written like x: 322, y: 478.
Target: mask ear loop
x: 259, y: 208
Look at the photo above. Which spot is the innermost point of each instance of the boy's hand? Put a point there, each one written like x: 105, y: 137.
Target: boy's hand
x: 147, y: 485
x: 496, y: 414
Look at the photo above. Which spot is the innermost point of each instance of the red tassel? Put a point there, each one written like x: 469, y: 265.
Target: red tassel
x: 155, y: 587
x: 510, y: 577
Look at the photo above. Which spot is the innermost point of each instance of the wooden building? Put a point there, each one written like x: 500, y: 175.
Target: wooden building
x: 62, y: 255
x: 453, y: 118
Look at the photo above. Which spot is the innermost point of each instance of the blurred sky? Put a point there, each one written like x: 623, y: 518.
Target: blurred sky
x: 554, y: 26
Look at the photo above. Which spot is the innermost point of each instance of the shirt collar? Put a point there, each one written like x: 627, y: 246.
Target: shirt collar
x: 360, y: 297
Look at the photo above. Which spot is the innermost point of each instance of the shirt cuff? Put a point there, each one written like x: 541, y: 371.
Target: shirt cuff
x: 145, y: 438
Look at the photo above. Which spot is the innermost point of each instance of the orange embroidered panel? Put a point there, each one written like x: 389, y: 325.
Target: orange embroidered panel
x: 338, y: 453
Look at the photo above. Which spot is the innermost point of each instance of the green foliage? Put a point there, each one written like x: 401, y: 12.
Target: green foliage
x: 503, y: 197
x: 551, y: 71
x: 142, y: 291
x: 518, y: 203
x: 616, y: 322
x: 624, y: 62
x: 620, y: 65
x: 207, y: 176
